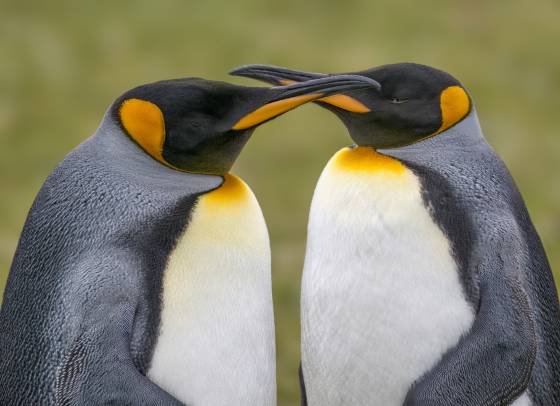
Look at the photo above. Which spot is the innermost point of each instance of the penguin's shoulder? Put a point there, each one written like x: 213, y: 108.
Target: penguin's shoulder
x: 474, y: 199
x: 449, y: 211
x: 92, y: 188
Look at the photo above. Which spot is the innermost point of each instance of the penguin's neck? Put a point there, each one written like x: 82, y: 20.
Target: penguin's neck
x: 116, y: 153
x: 465, y: 135
x: 381, y: 296
x: 216, y: 342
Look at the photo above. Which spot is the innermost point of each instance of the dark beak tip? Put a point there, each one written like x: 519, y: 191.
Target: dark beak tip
x: 245, y: 70
x: 239, y: 71
x: 253, y: 73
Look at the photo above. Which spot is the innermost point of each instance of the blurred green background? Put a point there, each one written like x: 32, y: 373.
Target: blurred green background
x: 63, y: 62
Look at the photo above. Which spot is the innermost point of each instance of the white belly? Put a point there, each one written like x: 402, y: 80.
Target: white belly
x: 216, y: 343
x: 381, y: 295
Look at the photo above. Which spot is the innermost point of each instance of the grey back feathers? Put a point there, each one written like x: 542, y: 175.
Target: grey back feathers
x: 87, y: 272
x: 474, y: 199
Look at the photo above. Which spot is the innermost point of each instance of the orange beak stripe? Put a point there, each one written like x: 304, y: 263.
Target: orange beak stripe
x: 272, y: 110
x: 338, y: 100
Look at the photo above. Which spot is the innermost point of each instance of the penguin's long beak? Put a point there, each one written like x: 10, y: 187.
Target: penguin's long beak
x: 281, y: 99
x: 276, y: 75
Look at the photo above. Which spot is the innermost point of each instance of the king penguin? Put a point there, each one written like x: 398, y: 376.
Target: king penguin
x: 425, y: 282
x: 142, y: 275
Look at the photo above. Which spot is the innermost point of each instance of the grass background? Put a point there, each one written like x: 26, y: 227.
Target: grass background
x: 63, y: 62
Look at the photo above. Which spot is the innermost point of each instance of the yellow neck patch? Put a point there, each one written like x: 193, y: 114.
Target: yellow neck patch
x: 366, y: 159
x: 455, y: 105
x: 144, y: 122
x: 233, y: 190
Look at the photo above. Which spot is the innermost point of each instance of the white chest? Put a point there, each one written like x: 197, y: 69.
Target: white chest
x: 381, y: 296
x: 216, y: 343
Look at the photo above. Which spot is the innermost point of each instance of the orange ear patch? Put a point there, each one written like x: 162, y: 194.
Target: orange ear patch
x: 455, y: 105
x: 144, y: 122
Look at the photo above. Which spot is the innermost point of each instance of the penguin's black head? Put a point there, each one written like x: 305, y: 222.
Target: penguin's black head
x: 410, y: 103
x: 200, y: 126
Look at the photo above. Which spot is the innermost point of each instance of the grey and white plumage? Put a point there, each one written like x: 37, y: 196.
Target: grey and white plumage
x: 80, y: 291
x: 431, y: 287
x: 505, y: 270
x: 493, y: 317
x: 137, y: 281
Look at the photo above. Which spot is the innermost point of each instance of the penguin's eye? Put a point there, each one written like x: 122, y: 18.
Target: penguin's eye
x: 396, y: 100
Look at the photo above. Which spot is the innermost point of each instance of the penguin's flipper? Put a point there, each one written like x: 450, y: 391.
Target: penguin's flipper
x: 98, y: 368
x: 492, y: 364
